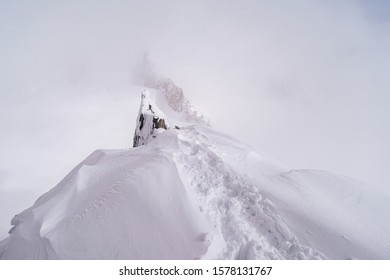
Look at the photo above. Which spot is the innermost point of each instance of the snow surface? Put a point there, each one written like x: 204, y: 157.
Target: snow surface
x: 48, y: 129
x: 195, y: 193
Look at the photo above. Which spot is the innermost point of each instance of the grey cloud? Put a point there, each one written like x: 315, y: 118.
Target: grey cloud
x: 308, y: 79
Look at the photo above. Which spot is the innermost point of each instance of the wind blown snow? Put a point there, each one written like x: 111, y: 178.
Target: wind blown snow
x: 195, y: 193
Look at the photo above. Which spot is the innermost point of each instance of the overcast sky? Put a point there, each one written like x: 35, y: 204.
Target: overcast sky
x: 303, y: 81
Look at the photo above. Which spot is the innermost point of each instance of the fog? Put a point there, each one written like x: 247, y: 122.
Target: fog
x: 303, y: 81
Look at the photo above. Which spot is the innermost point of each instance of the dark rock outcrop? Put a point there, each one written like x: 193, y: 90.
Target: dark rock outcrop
x: 148, y: 123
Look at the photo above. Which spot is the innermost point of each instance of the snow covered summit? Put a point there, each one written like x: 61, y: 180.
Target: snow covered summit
x: 195, y: 193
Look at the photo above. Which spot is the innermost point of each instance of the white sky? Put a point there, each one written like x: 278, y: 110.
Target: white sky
x: 303, y: 81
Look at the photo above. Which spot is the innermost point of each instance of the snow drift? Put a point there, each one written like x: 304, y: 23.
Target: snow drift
x: 195, y: 193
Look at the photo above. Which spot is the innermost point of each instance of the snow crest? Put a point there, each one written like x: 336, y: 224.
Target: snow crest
x: 195, y: 193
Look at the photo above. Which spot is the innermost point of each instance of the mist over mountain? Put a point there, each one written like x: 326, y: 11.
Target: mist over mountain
x: 315, y: 73
x: 187, y: 191
x: 306, y: 83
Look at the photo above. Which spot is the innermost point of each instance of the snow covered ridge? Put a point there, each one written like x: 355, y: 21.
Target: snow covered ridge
x: 194, y: 193
x: 156, y: 115
x: 176, y: 100
x: 173, y: 95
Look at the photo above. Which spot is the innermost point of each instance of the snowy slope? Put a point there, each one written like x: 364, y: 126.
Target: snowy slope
x: 196, y: 193
x: 48, y: 129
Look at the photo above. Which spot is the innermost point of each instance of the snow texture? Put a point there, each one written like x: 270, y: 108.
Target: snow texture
x: 195, y: 193
x: 47, y: 130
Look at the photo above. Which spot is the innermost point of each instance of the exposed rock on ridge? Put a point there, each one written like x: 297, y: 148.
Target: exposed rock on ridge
x: 150, y: 121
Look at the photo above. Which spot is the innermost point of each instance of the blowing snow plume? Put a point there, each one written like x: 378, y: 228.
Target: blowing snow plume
x: 195, y: 193
x: 174, y: 95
